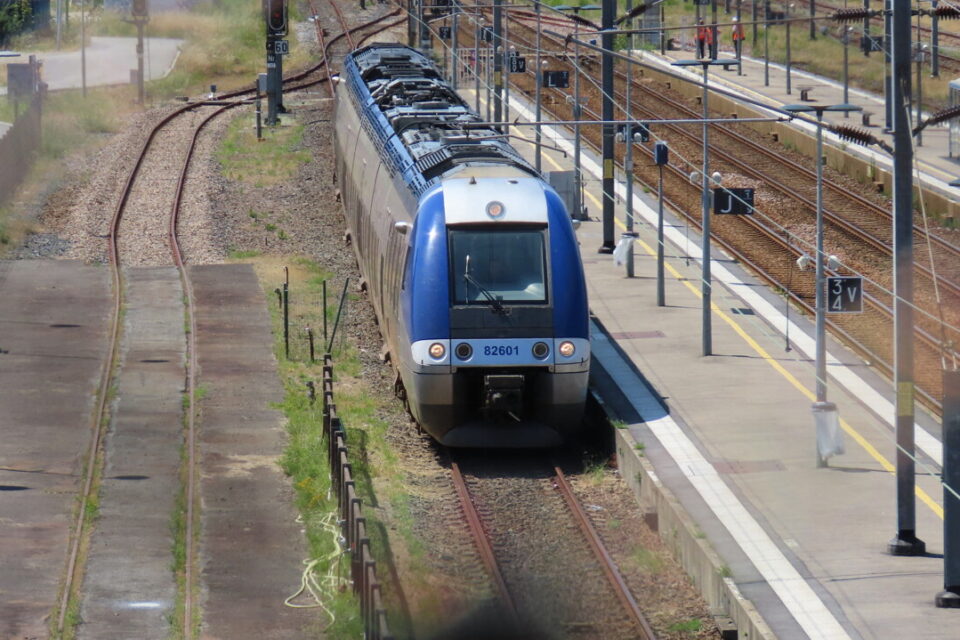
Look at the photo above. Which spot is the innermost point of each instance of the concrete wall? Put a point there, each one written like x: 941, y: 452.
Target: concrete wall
x: 664, y: 513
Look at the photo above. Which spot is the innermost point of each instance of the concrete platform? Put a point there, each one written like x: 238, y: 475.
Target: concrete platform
x: 937, y: 166
x: 252, y: 548
x: 129, y: 589
x: 721, y: 449
x: 52, y: 339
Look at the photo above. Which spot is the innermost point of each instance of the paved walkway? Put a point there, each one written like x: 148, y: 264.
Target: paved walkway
x: 53, y: 326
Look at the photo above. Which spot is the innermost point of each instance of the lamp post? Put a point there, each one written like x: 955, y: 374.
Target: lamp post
x: 628, y: 137
x: 820, y: 406
x: 935, y: 42
x: 577, y: 173
x: 707, y: 336
x: 476, y: 59
x: 846, y: 67
x: 766, y: 43
x: 539, y: 80
x: 786, y: 11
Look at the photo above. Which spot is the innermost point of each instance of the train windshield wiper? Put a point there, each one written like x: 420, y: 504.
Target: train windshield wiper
x: 492, y: 299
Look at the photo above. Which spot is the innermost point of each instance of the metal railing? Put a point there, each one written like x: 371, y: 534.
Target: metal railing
x: 363, y: 566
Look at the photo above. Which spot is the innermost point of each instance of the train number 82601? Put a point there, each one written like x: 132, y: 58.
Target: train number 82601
x: 501, y: 350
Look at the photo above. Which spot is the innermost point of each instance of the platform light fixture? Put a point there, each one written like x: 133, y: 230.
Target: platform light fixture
x: 821, y: 406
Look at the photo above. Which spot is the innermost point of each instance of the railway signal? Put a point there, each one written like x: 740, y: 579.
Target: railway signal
x: 138, y: 9
x: 276, y: 17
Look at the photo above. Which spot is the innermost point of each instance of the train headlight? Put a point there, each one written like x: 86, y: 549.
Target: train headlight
x: 464, y: 351
x: 496, y: 209
x: 566, y: 349
x: 540, y: 350
x: 437, y: 351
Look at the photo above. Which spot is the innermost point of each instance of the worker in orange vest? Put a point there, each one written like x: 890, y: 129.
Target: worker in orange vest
x: 737, y: 36
x: 704, y: 39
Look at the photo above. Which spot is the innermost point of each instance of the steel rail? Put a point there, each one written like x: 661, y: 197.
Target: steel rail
x: 106, y: 374
x: 610, y: 568
x: 343, y: 23
x: 482, y: 540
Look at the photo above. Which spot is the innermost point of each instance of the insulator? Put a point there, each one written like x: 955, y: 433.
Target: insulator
x: 854, y: 134
x: 947, y: 12
x: 942, y: 116
x: 852, y: 15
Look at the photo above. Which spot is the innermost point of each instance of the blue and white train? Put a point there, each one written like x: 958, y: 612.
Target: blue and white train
x: 469, y: 257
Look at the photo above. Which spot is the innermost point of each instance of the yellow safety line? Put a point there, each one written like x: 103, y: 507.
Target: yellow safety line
x: 861, y: 440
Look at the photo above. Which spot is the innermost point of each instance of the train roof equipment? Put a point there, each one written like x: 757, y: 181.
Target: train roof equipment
x: 423, y: 128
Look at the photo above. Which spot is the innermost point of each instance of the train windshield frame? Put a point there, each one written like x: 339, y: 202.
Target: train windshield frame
x: 498, y: 266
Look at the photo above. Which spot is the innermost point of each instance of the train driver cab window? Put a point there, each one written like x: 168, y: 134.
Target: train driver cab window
x: 490, y: 267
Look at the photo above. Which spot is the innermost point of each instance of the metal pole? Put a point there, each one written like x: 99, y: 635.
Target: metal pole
x: 786, y: 11
x: 488, y: 77
x: 715, y: 37
x: 753, y: 10
x: 906, y: 541
x: 628, y: 156
x: 738, y: 44
x: 950, y: 596
x: 705, y: 201
x: 83, y: 49
x: 887, y: 64
x: 476, y: 63
x: 821, y: 257
x: 606, y: 83
x: 141, y: 96
x: 498, y: 48
x: 455, y: 45
x: 661, y: 293
x: 577, y: 173
x: 286, y: 320
x: 813, y: 24
x: 663, y: 32
x: 866, y: 29
x: 411, y: 24
x: 766, y: 43
x: 846, y: 68
x: 506, y: 66
x: 539, y: 81
x: 935, y: 44
x: 919, y: 117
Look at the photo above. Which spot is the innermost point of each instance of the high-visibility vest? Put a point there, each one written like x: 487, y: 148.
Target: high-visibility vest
x: 737, y: 32
x: 705, y: 34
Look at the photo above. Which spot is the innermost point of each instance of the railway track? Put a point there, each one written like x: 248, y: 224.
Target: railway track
x: 858, y: 228
x: 524, y: 525
x: 140, y: 212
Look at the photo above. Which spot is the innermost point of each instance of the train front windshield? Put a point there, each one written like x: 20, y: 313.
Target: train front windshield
x: 502, y: 266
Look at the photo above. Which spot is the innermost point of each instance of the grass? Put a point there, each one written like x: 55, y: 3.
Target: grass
x: 374, y: 465
x: 693, y: 625
x: 274, y: 160
x: 649, y: 562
